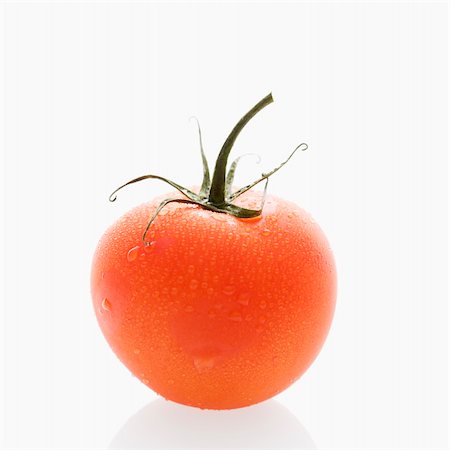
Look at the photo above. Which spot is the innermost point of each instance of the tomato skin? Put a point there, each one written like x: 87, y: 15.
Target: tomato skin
x: 218, y: 312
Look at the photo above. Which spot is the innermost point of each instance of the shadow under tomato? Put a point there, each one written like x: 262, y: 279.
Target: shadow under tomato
x: 163, y: 424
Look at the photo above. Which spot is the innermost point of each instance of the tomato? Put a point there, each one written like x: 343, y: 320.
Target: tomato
x: 213, y: 309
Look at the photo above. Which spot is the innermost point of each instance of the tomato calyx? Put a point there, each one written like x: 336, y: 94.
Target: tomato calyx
x: 217, y: 195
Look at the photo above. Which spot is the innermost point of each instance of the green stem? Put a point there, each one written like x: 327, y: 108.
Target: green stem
x: 217, y: 196
x: 217, y: 190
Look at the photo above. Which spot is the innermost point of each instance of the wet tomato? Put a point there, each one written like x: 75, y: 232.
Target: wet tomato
x: 218, y: 302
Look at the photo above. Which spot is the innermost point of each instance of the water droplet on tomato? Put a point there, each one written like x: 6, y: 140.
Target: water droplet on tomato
x: 173, y: 290
x: 244, y: 298
x: 136, y: 351
x: 149, y: 245
x: 248, y: 317
x: 265, y: 232
x: 229, y: 290
x: 145, y: 381
x: 235, y: 316
x: 106, y: 304
x: 170, y: 381
x: 193, y: 284
x: 220, y: 217
x: 204, y: 363
x: 190, y: 268
x: 189, y: 308
x: 133, y: 253
x: 262, y: 304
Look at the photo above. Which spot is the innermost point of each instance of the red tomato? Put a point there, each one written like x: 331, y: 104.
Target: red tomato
x: 218, y: 312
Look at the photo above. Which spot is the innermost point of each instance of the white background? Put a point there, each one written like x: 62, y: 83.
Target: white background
x: 95, y: 93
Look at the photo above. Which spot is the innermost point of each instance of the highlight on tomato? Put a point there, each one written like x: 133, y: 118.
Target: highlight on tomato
x: 215, y: 297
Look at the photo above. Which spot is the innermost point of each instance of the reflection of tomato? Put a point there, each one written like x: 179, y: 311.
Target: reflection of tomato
x: 218, y: 312
x: 229, y: 304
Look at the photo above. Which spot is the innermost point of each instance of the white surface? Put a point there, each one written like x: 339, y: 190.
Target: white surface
x: 93, y: 94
